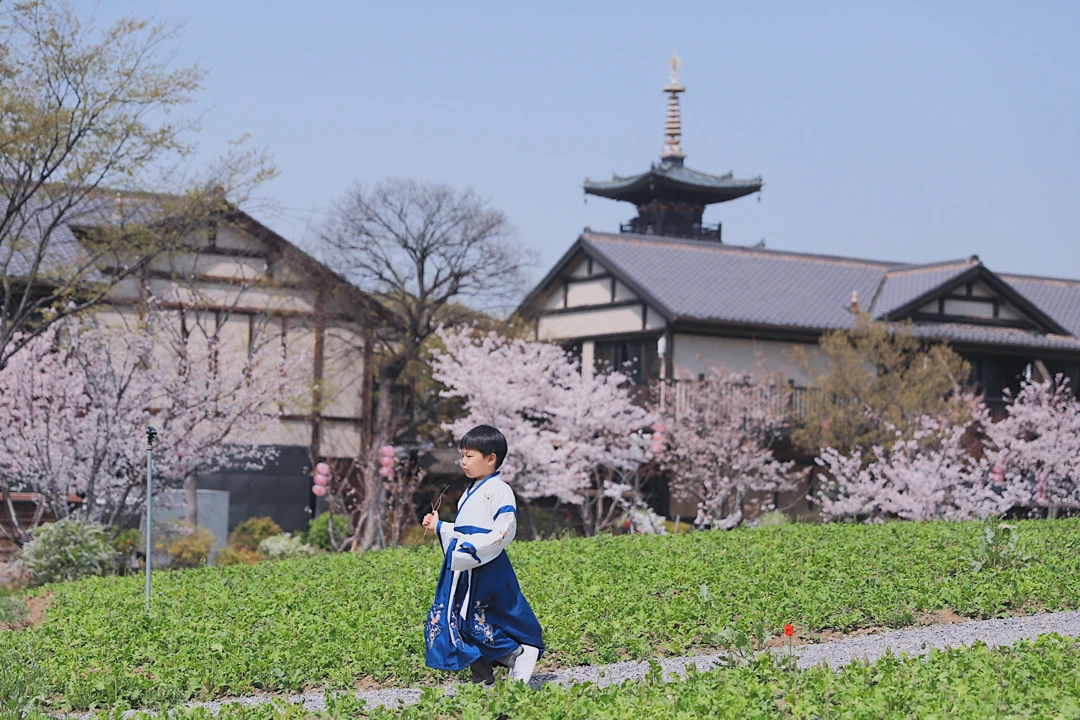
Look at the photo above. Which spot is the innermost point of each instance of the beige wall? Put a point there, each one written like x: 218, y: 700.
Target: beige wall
x: 696, y: 354
x: 253, y: 320
x: 590, y: 322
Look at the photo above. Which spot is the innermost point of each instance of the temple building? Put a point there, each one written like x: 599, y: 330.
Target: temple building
x: 670, y: 197
x: 665, y: 297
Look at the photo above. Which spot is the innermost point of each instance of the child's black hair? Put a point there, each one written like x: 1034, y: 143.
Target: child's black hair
x: 485, y: 439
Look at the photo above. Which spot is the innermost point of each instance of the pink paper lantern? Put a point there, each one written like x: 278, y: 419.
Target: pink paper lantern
x: 386, y: 461
x: 322, y: 479
x: 658, y: 437
x: 319, y: 490
x: 656, y: 448
x: 322, y: 469
x: 659, y: 427
x: 386, y: 472
x: 386, y: 450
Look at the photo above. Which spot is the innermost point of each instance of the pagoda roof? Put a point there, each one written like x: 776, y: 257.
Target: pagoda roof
x: 671, y: 173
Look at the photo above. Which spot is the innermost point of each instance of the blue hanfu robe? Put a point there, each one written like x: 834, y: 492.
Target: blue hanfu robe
x: 479, y: 611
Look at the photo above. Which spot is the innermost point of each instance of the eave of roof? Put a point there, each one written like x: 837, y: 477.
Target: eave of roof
x: 709, y: 188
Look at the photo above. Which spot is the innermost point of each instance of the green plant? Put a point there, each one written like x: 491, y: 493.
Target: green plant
x: 741, y: 641
x: 339, y: 617
x: 230, y: 555
x: 772, y: 518
x: 11, y: 610
x: 280, y: 547
x: 126, y: 543
x: 22, y: 687
x: 68, y: 549
x: 318, y: 532
x: 999, y: 546
x: 188, y: 546
x: 249, y: 533
x: 1030, y: 679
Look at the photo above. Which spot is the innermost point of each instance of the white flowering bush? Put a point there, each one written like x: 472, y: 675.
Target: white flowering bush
x: 279, y: 547
x: 68, y: 549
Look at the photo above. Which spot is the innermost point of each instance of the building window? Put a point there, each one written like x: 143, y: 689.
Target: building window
x: 636, y: 358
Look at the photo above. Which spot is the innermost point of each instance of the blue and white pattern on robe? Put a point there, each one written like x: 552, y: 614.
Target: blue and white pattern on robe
x: 479, y: 611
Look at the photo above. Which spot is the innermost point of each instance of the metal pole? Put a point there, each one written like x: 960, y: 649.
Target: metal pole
x: 151, y: 434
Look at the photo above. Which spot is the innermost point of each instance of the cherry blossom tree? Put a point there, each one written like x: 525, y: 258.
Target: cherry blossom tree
x: 574, y: 436
x: 958, y: 470
x: 935, y: 473
x: 75, y: 402
x: 720, y: 433
x: 1036, y: 447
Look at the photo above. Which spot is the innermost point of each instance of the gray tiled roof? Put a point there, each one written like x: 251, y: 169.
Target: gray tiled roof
x: 679, y: 173
x: 1060, y: 299
x: 709, y: 281
x: 63, y: 251
x: 899, y: 287
x: 984, y: 334
x: 704, y: 280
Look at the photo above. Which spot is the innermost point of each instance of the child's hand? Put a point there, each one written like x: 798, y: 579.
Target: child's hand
x: 431, y: 521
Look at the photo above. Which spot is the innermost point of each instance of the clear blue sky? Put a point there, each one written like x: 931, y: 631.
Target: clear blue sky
x: 915, y: 131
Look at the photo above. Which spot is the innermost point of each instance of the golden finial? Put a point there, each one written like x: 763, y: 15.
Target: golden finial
x: 673, y: 123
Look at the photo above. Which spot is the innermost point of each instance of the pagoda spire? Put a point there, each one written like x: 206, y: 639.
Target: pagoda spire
x: 673, y: 123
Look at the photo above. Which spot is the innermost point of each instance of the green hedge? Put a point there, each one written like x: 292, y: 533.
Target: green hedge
x: 335, y: 619
x: 1031, y: 679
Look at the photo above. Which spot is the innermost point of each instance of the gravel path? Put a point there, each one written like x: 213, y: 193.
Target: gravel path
x: 914, y: 642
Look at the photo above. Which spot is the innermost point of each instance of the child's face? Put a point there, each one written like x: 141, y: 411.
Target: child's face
x: 477, y: 465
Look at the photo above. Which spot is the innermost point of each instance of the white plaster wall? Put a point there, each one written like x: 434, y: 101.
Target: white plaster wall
x: 554, y: 300
x: 623, y: 293
x: 1008, y: 312
x: 590, y: 292
x: 588, y: 356
x: 339, y: 439
x: 232, y: 239
x: 210, y: 265
x: 969, y: 308
x: 590, y: 322
x: 343, y: 371
x: 654, y: 320
x: 696, y: 354
x: 581, y: 269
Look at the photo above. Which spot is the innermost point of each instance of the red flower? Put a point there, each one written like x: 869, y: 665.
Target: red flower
x: 789, y: 630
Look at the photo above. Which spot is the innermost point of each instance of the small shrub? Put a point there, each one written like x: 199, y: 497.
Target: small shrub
x: 11, y: 611
x: 68, y: 549
x: 284, y: 546
x: 236, y: 556
x: 251, y: 532
x: 22, y: 687
x: 187, y: 546
x: 774, y: 517
x: 126, y: 543
x: 999, y: 547
x: 318, y: 533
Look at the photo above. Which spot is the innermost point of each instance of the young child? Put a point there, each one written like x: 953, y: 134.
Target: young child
x: 479, y: 616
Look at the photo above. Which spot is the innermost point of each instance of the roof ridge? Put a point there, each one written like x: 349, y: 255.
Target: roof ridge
x: 1041, y: 278
x: 660, y: 240
x: 928, y: 267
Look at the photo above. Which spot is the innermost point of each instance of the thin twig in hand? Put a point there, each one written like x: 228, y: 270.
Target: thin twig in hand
x: 434, y: 508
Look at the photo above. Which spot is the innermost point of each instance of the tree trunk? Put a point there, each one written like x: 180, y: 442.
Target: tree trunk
x: 554, y: 518
x: 369, y: 529
x: 191, y: 498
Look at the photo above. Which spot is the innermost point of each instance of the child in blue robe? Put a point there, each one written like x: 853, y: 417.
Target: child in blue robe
x: 479, y: 617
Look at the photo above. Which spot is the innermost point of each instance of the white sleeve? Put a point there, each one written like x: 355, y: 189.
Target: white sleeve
x: 481, y: 548
x: 445, y: 531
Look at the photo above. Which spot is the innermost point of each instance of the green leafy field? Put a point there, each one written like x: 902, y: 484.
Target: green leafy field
x: 336, y: 620
x: 1032, y: 679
